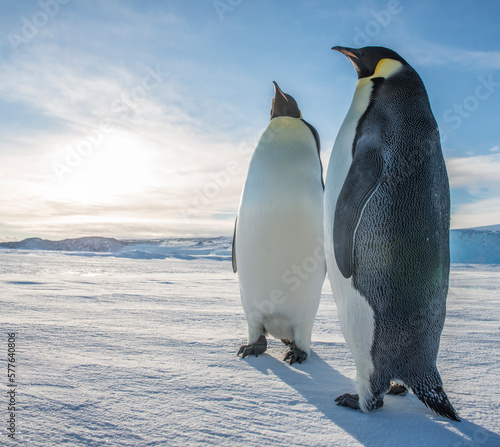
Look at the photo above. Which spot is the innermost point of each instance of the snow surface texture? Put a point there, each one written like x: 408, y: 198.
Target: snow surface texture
x: 128, y: 352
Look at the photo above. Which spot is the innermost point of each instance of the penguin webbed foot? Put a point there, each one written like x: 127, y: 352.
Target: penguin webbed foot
x: 397, y: 390
x: 295, y: 354
x: 255, y: 349
x: 352, y: 401
x: 348, y: 400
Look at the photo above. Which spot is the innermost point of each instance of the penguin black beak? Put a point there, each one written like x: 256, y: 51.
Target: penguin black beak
x: 352, y: 55
x: 363, y: 64
x: 349, y: 52
x: 283, y: 104
x: 278, y: 91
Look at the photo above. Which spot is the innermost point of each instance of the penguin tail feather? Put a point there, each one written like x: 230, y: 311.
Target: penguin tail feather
x: 436, y: 399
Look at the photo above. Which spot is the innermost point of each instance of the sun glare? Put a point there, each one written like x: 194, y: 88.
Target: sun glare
x: 119, y: 166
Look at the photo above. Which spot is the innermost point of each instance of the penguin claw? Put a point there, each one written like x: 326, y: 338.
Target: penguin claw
x: 348, y: 400
x: 256, y: 348
x: 352, y: 401
x: 295, y: 355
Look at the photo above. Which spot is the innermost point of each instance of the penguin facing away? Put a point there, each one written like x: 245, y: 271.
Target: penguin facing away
x: 278, y: 237
x: 387, y: 213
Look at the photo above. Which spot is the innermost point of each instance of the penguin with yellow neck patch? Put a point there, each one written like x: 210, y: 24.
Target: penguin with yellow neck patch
x: 278, y: 238
x: 387, y: 214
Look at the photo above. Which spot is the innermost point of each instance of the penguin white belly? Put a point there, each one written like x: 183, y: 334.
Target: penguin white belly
x: 273, y: 290
x: 356, y: 316
x: 279, y: 248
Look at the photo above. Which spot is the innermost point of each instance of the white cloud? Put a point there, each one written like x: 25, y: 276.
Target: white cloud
x: 157, y: 172
x: 418, y: 50
x: 430, y: 53
x: 479, y: 176
x: 477, y: 214
x: 473, y: 172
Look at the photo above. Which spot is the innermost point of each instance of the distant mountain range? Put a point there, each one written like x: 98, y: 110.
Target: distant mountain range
x: 479, y: 245
x: 92, y: 243
x: 218, y: 248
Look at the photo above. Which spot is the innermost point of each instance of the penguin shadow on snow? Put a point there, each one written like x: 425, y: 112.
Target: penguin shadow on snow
x: 319, y: 383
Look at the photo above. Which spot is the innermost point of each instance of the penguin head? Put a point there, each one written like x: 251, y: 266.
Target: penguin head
x: 370, y: 61
x: 283, y: 104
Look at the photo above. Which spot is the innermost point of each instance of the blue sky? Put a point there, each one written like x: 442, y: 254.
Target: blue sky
x: 138, y: 118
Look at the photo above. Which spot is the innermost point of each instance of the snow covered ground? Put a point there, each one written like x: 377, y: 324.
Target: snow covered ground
x: 142, y: 352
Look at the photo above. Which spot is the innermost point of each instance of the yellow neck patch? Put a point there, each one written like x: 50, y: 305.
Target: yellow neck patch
x: 386, y: 68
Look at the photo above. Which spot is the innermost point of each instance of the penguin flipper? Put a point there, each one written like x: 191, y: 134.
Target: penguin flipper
x: 362, y: 180
x: 233, y: 252
x: 318, y: 147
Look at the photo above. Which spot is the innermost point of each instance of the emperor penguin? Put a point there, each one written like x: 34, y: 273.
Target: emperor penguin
x: 387, y: 214
x: 278, y: 248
